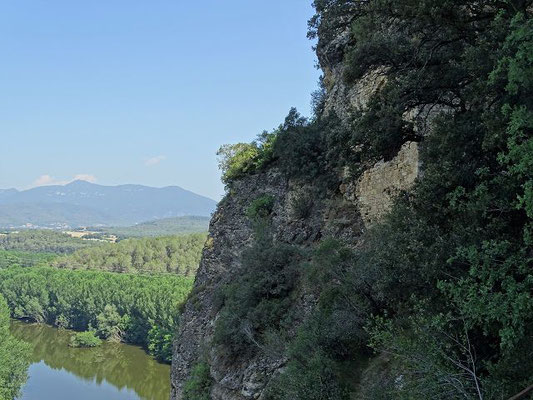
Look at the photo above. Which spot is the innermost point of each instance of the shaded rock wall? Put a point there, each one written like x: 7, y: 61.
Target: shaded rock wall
x: 344, y: 213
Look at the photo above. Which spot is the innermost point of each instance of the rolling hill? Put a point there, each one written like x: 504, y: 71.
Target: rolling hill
x: 81, y: 203
x: 160, y: 227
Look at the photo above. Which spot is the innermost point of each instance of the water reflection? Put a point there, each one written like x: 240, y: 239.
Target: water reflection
x: 111, y: 371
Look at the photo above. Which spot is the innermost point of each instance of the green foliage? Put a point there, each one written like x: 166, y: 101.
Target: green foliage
x: 172, y: 254
x: 43, y: 241
x: 257, y: 301
x: 237, y: 160
x: 496, y: 293
x: 14, y: 358
x: 120, y: 306
x: 111, y: 325
x: 300, y: 146
x: 446, y: 276
x: 317, y: 380
x: 24, y: 259
x: 301, y: 204
x: 432, y: 354
x: 260, y: 208
x: 160, y: 343
x: 198, y: 386
x: 160, y: 227
x: 85, y: 339
x: 329, y: 349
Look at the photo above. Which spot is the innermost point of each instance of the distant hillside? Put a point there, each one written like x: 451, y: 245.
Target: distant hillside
x: 82, y: 203
x: 161, y: 227
x: 43, y: 241
x: 168, y: 254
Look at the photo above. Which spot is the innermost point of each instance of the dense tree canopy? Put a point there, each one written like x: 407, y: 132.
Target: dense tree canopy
x: 173, y: 254
x: 14, y: 358
x: 129, y: 307
x: 43, y: 241
x: 24, y: 258
x: 159, y: 227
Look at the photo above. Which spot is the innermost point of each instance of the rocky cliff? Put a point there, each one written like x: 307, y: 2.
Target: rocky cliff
x: 229, y: 234
x: 332, y: 271
x: 344, y: 211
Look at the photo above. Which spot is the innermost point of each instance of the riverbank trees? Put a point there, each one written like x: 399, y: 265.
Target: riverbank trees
x: 134, y: 308
x: 14, y: 358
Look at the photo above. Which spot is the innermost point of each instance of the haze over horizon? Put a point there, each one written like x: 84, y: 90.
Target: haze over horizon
x: 136, y: 93
x: 81, y: 180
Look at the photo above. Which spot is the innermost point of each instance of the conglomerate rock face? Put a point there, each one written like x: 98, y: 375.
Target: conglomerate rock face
x: 343, y: 214
x: 375, y: 190
x: 230, y: 233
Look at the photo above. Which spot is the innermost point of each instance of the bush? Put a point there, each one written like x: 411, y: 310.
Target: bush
x: 301, y: 204
x: 235, y: 160
x: 199, y: 384
x: 85, y: 339
x: 260, y: 207
x: 315, y: 379
x: 299, y: 147
x: 160, y: 343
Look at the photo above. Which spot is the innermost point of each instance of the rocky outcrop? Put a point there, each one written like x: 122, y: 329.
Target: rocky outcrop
x: 343, y: 213
x: 230, y: 233
x: 375, y: 190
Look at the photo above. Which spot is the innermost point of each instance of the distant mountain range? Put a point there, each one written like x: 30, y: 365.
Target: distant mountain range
x: 82, y: 203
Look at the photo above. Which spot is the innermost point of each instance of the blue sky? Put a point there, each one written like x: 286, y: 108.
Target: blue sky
x: 131, y: 91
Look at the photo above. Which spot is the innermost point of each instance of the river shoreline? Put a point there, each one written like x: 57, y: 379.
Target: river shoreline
x: 113, y: 370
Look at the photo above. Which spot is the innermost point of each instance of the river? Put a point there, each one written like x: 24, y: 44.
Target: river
x: 113, y: 371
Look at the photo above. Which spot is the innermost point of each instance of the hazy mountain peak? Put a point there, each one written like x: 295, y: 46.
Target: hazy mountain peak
x: 82, y: 203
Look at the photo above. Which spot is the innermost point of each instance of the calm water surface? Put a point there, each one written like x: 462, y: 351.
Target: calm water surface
x: 113, y: 371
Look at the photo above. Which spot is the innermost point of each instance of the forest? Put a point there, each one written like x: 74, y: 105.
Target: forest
x: 160, y: 227
x: 132, y: 308
x: 130, y: 291
x: 43, y: 241
x: 15, y: 356
x: 168, y: 254
x: 24, y: 258
x: 435, y: 302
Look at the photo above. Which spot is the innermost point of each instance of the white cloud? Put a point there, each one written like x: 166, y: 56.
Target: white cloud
x: 46, y: 180
x: 84, y: 177
x: 154, y: 160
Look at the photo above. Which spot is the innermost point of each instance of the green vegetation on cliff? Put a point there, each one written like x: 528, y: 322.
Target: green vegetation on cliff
x: 14, y: 356
x: 435, y: 302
